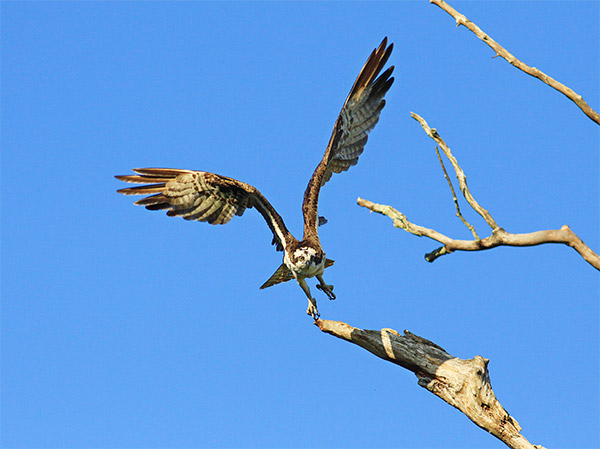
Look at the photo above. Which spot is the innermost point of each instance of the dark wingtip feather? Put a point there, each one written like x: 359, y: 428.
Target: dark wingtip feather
x: 142, y: 190
x: 387, y: 72
x: 160, y: 172
x: 376, y: 61
x: 151, y: 200
x: 386, y: 56
x: 127, y: 191
x: 380, y: 89
x: 158, y: 206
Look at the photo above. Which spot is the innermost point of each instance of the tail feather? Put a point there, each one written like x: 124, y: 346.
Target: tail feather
x: 281, y: 275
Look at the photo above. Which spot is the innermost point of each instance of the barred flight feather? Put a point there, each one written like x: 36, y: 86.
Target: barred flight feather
x: 358, y: 117
x: 202, y: 196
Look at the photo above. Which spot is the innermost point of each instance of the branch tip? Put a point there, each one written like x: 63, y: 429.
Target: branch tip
x: 532, y: 71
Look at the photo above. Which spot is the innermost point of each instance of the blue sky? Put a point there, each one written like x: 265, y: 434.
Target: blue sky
x: 125, y: 328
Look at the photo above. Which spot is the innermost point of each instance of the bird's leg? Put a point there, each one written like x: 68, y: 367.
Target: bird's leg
x: 312, y: 303
x: 327, y: 288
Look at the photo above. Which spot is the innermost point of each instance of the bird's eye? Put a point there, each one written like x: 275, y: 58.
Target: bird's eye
x: 301, y: 258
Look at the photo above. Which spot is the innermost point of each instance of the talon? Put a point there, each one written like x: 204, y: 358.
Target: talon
x: 312, y: 311
x: 327, y: 289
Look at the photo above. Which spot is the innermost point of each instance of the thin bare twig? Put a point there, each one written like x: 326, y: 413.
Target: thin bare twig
x: 464, y: 384
x: 534, y: 72
x: 458, y: 213
x: 499, y: 237
x: 462, y: 178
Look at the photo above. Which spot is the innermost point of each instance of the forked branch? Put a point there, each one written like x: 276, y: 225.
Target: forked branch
x: 498, y: 237
x: 534, y: 72
x: 462, y: 178
x: 454, y: 199
x: 464, y: 384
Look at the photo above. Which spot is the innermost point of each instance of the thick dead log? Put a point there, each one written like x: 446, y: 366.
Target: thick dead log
x: 464, y: 384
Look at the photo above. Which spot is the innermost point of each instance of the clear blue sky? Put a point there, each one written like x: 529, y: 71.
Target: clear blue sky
x: 125, y: 328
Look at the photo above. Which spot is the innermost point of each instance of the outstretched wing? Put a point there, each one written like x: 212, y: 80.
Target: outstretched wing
x: 203, y: 196
x: 359, y: 115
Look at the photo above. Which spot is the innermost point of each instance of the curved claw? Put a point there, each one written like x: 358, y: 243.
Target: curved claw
x: 312, y: 311
x: 327, y: 289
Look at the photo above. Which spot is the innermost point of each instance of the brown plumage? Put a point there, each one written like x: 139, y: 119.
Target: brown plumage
x: 216, y: 199
x: 203, y: 196
x: 358, y: 117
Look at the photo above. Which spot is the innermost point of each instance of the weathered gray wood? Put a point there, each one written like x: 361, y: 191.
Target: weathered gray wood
x: 462, y: 383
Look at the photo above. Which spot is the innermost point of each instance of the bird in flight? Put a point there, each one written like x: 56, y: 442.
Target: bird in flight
x: 212, y: 198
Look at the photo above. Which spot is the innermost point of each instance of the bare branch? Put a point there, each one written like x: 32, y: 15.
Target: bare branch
x: 500, y: 51
x: 499, y: 237
x: 458, y: 213
x: 462, y: 178
x: 464, y: 384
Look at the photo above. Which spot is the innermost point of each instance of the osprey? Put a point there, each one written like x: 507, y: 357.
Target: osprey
x: 212, y: 198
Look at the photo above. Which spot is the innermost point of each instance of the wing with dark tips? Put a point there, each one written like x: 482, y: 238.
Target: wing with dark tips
x: 202, y: 196
x: 358, y: 117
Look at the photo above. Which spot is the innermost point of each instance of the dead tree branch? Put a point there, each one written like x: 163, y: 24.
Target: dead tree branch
x: 498, y: 237
x: 462, y: 178
x: 454, y: 199
x: 534, y: 72
x: 464, y: 384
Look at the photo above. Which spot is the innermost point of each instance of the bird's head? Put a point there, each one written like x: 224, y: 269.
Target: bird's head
x: 306, y: 257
